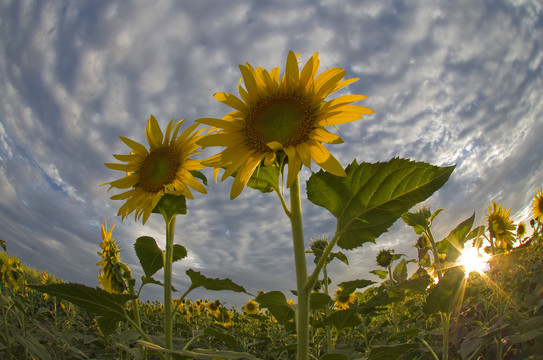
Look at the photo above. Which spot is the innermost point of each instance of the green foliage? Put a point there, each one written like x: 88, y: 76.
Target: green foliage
x: 94, y: 300
x: 373, y: 196
x: 151, y: 256
x: 199, y: 280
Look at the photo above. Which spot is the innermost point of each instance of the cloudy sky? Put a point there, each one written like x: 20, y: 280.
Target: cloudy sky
x: 451, y: 82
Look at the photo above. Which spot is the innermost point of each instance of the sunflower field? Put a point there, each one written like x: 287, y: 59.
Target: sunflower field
x: 475, y: 294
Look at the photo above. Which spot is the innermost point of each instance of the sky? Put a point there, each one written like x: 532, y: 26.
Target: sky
x: 450, y: 81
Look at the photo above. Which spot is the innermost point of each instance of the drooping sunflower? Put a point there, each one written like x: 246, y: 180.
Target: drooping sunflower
x: 114, y: 274
x: 343, y: 301
x: 537, y: 206
x: 163, y: 169
x: 500, y: 226
x: 251, y: 307
x: 286, y: 116
x: 384, y: 258
x: 521, y: 229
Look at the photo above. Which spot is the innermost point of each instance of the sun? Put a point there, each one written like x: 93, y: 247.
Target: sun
x: 473, y: 261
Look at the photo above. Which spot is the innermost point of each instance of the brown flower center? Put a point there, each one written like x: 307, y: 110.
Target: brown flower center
x: 285, y: 118
x: 159, y: 168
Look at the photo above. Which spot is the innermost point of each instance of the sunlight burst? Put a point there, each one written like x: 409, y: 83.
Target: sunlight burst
x: 471, y: 260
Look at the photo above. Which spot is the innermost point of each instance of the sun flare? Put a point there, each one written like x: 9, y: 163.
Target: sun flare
x: 473, y: 261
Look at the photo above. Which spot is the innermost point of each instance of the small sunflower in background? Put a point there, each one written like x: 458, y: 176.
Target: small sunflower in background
x: 251, y: 307
x: 163, y: 169
x: 114, y: 274
x: 213, y: 308
x: 224, y: 317
x: 521, y: 229
x: 537, y: 206
x: 275, y: 117
x: 342, y: 301
x: 384, y: 258
x: 500, y: 226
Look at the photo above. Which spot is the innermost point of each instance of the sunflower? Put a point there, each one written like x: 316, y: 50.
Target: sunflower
x: 276, y: 117
x: 537, y: 206
x: 163, y: 169
x: 114, y: 274
x: 521, y: 229
x: 384, y: 258
x: 343, y: 301
x: 251, y: 307
x: 500, y: 226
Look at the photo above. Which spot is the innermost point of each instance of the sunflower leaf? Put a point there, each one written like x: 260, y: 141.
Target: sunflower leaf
x: 446, y: 293
x: 350, y: 286
x: 265, y: 179
x: 276, y: 303
x: 94, y: 300
x: 343, y: 318
x: 373, y: 196
x: 150, y: 255
x: 453, y: 244
x: 171, y: 205
x: 212, y: 284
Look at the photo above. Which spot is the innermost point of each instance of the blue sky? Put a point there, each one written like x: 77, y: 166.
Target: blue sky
x: 451, y: 82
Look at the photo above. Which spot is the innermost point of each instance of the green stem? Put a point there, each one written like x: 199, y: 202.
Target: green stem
x: 437, y: 260
x: 320, y: 264
x: 302, y: 318
x: 445, y: 319
x: 168, y: 259
x: 328, y: 328
x: 429, y: 348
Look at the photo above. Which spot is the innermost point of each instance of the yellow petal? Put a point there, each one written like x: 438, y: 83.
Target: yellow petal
x: 231, y: 101
x: 136, y: 146
x: 224, y: 123
x: 309, y: 71
x: 294, y: 165
x: 126, y: 182
x: 244, y: 174
x: 305, y: 154
x: 342, y: 100
x: 291, y: 72
x: 153, y: 133
x: 328, y: 87
x: 325, y: 160
x: 322, y: 135
x: 121, y: 167
x: 219, y: 139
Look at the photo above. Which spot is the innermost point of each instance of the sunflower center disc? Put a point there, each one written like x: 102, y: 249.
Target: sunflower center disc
x: 158, y: 169
x: 285, y: 118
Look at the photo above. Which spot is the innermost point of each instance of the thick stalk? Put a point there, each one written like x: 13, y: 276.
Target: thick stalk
x: 302, y: 316
x: 328, y: 328
x: 168, y: 259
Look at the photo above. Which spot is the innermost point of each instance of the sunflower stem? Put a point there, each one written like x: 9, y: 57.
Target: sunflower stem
x: 168, y: 259
x: 302, y: 314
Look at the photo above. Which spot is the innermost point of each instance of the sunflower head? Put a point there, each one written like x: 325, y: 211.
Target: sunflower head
x: 537, y: 206
x: 164, y: 168
x: 224, y: 317
x: 278, y: 120
x: 343, y: 300
x: 500, y: 226
x: 251, y: 307
x: 521, y: 229
x: 114, y: 275
x: 384, y: 257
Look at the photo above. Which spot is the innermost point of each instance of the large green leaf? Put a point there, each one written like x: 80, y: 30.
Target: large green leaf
x: 447, y: 293
x: 318, y: 300
x: 94, y: 300
x: 373, y: 196
x: 265, y: 179
x: 276, y: 303
x: 197, y: 280
x: 350, y: 286
x: 343, y: 318
x: 453, y: 244
x: 150, y: 255
x: 171, y: 205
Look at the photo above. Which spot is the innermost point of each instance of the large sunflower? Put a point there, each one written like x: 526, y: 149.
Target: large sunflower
x: 164, y: 168
x: 500, y: 226
x: 281, y: 116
